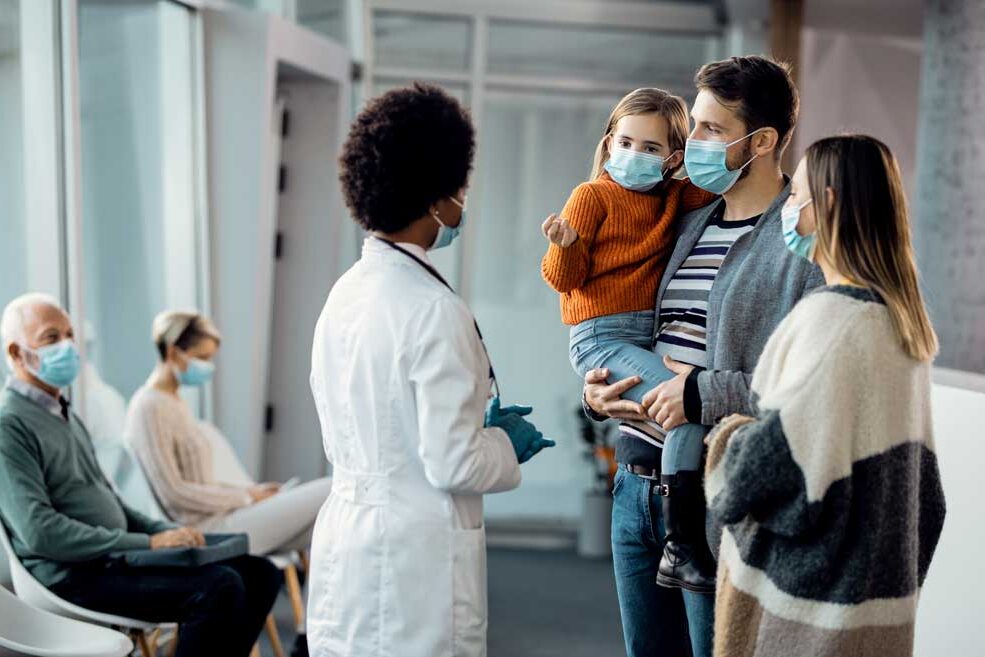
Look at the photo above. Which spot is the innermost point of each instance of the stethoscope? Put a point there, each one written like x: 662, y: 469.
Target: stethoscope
x: 436, y: 274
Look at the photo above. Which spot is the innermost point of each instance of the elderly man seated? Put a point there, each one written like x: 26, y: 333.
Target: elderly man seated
x: 64, y: 517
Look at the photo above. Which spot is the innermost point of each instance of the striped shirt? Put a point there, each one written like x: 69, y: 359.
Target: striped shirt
x: 684, y: 308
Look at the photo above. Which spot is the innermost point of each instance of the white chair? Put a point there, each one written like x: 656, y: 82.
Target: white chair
x: 137, y: 481
x: 37, y: 595
x: 25, y: 630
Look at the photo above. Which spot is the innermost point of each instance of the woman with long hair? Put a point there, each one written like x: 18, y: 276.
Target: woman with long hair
x: 831, y: 496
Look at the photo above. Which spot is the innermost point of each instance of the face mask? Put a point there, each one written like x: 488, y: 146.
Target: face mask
x: 447, y: 234
x: 638, y: 172
x: 198, y: 372
x: 58, y: 364
x: 705, y: 162
x: 798, y: 244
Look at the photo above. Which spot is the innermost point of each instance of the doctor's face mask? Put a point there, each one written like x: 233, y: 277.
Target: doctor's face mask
x: 448, y: 234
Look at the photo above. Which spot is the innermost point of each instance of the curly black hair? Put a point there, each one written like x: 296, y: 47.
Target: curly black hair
x: 406, y: 150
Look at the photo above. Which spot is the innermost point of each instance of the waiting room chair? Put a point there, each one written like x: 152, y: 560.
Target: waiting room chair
x: 25, y: 630
x: 141, y: 496
x: 35, y: 594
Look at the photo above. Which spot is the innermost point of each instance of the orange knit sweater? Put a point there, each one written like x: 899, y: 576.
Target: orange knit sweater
x: 625, y: 239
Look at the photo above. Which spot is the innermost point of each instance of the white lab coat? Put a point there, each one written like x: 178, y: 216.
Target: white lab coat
x: 401, y: 382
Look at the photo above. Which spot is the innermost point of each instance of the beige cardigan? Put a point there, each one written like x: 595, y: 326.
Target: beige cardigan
x: 176, y: 456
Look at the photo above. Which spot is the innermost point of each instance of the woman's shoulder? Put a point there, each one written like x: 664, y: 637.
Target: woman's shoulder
x: 149, y: 400
x: 833, y: 302
x: 836, y: 319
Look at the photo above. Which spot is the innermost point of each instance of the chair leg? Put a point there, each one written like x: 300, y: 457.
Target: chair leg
x: 146, y: 645
x: 294, y: 591
x: 305, y: 563
x: 256, y: 650
x: 274, y: 636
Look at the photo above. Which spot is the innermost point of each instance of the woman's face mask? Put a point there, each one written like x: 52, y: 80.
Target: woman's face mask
x: 197, y: 372
x: 802, y: 245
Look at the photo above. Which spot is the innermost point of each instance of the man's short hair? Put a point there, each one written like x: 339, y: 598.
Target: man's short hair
x: 760, y: 89
x: 12, y: 322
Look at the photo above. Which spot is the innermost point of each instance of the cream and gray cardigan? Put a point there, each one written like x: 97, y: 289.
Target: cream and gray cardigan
x: 831, y: 497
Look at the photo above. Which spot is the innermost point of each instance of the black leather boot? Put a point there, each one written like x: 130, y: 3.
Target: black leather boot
x: 687, y: 562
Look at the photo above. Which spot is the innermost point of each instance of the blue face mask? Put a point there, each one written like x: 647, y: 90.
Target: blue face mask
x: 58, y: 364
x: 802, y: 245
x: 706, y: 165
x: 198, y: 372
x: 638, y: 172
x: 447, y: 234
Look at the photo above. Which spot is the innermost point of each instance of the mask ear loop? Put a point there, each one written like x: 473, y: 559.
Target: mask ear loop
x: 663, y: 172
x: 25, y: 350
x: 732, y: 143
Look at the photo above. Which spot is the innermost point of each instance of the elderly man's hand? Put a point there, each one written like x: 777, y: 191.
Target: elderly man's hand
x: 177, y: 538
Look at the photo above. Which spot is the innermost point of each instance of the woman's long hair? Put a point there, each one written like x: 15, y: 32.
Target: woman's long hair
x: 865, y: 235
x: 647, y: 100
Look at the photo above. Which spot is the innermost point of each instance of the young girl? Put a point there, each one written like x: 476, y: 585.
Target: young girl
x: 607, y: 254
x: 831, y: 496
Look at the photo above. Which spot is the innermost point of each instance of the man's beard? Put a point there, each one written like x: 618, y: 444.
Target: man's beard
x: 744, y: 157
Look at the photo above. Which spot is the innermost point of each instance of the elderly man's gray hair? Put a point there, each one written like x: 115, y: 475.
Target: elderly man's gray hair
x: 14, y: 317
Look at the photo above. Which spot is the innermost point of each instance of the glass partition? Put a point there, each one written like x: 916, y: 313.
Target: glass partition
x: 534, y: 149
x: 414, y: 41
x: 13, y: 256
x: 30, y: 156
x: 139, y: 223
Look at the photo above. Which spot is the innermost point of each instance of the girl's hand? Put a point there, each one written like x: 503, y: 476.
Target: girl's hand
x: 559, y: 231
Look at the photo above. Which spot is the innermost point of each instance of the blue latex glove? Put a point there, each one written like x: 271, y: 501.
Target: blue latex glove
x: 527, y: 441
x: 494, y: 411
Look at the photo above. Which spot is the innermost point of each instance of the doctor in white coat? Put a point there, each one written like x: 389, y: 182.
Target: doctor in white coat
x: 403, y: 386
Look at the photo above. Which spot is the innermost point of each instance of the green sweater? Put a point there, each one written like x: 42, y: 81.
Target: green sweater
x: 57, y: 505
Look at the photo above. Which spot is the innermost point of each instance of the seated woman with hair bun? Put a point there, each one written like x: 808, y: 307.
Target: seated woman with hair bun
x: 175, y: 451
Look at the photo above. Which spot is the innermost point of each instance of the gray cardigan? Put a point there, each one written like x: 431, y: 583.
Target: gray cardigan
x: 759, y: 282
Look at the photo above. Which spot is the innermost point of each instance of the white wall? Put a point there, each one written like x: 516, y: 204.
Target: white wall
x: 244, y: 52
x: 853, y: 81
x: 953, y: 600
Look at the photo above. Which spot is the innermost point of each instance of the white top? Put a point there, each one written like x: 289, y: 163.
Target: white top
x: 401, y: 383
x: 176, y: 457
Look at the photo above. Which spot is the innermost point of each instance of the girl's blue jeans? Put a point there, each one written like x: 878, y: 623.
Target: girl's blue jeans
x: 623, y: 344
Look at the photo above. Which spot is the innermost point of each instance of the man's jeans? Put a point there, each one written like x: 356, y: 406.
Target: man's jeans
x: 657, y: 621
x: 221, y: 608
